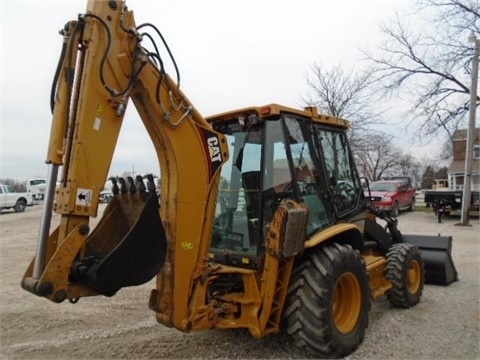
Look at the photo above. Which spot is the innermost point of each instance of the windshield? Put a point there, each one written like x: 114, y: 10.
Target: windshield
x: 38, y: 182
x: 383, y: 186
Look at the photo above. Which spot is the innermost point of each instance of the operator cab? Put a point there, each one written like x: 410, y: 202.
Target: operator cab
x: 278, y: 153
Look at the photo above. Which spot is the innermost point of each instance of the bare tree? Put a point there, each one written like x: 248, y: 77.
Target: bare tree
x: 377, y: 158
x: 347, y: 95
x: 409, y: 166
x: 428, y: 178
x: 344, y: 94
x: 446, y: 153
x: 431, y: 65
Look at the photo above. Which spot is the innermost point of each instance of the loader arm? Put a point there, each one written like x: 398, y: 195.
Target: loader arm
x: 103, y: 67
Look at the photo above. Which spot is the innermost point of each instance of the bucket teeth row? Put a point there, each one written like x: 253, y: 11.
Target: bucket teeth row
x: 120, y: 185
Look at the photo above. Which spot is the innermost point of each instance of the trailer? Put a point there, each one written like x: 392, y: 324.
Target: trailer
x: 444, y: 202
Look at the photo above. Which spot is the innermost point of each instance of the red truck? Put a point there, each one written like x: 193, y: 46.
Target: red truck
x: 392, y: 195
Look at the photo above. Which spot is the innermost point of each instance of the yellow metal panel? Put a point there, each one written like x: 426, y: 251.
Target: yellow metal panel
x: 328, y: 233
x: 376, y: 268
x: 270, y: 110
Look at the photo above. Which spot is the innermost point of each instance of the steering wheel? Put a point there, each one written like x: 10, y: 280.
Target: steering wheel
x: 273, y: 198
x: 347, y: 187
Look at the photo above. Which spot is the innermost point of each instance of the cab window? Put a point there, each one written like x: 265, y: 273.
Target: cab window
x: 345, y: 187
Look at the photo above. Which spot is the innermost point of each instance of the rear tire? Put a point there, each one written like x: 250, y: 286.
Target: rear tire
x: 405, y: 270
x: 411, y: 207
x: 328, y: 301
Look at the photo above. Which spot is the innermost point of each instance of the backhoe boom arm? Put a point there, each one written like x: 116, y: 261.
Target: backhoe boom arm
x: 104, y: 66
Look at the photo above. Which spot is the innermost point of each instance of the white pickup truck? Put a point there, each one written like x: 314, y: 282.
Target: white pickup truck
x: 10, y: 199
x: 37, y: 186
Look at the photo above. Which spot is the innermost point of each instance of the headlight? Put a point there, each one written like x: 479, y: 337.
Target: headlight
x: 386, y: 198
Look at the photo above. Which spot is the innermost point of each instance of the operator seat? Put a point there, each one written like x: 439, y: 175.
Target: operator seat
x: 251, y: 186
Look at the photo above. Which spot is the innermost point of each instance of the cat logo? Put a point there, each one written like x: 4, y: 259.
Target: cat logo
x: 214, y: 149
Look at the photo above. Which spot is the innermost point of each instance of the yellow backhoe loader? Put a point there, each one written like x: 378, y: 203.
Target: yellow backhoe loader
x: 261, y: 220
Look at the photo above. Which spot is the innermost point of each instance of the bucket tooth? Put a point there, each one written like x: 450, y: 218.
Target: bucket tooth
x: 115, y: 189
x: 151, y: 184
x: 123, y: 186
x: 139, y: 184
x: 131, y: 185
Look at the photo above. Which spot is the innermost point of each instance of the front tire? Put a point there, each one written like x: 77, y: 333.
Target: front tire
x: 328, y: 301
x: 405, y: 270
x: 395, y: 210
x: 20, y: 206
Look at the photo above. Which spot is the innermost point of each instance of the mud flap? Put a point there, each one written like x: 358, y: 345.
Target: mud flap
x: 437, y: 255
x: 127, y: 248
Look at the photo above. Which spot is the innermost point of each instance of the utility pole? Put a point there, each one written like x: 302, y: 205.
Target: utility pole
x: 467, y: 179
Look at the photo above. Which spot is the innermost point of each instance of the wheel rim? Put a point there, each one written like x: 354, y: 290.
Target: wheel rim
x: 414, y: 276
x: 347, y: 300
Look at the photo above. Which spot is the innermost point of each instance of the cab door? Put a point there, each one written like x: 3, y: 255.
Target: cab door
x: 339, y: 169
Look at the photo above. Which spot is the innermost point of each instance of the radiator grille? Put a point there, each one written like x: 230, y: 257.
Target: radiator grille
x: 295, y: 232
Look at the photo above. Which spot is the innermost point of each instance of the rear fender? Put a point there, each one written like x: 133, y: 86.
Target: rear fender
x: 345, y: 233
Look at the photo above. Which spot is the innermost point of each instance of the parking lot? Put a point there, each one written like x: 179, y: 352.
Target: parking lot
x: 445, y: 325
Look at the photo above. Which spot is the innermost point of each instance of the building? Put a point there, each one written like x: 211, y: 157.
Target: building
x: 456, y: 170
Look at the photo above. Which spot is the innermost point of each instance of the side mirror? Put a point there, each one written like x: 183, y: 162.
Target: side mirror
x: 364, y: 182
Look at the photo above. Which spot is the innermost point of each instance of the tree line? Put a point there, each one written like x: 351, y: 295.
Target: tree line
x: 18, y: 186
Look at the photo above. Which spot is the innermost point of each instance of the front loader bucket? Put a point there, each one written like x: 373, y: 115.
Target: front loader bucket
x: 128, y: 246
x: 437, y: 256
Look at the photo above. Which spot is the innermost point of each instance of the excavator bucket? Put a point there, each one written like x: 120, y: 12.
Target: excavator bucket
x: 437, y: 256
x: 128, y: 246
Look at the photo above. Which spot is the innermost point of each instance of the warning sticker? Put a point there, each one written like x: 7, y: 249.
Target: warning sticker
x: 84, y: 197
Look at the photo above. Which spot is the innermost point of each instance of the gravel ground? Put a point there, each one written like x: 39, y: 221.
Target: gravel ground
x: 445, y: 325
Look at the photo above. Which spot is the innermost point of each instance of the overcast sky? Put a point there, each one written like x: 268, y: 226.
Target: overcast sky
x: 230, y: 54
